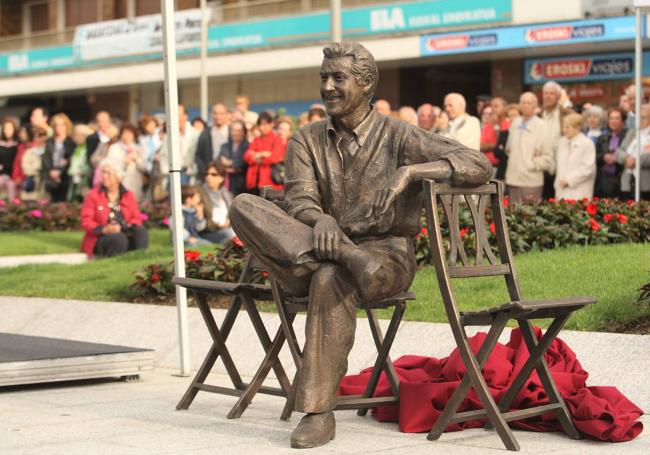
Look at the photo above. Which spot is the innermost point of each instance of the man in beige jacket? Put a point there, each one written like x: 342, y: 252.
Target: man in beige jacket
x: 530, y: 153
x: 462, y: 127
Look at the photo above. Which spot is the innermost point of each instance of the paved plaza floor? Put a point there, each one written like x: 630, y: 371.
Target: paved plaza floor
x: 110, y: 416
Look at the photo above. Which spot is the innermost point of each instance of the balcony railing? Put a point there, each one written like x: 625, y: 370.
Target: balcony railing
x: 221, y: 13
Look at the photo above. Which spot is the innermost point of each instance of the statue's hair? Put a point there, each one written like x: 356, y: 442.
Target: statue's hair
x: 363, y: 62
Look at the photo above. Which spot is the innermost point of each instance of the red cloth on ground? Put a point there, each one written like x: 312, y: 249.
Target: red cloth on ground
x: 426, y: 383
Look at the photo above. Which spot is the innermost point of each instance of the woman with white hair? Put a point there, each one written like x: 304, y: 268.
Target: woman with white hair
x: 594, y: 118
x: 575, y: 171
x: 111, y: 217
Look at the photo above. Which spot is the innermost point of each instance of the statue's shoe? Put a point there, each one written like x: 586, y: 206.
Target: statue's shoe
x: 314, y: 430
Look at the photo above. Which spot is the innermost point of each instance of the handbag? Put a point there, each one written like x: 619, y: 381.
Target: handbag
x: 277, y: 173
x: 30, y: 184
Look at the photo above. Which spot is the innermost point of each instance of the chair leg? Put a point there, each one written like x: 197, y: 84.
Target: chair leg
x: 215, y: 351
x: 461, y: 391
x: 547, y: 382
x: 383, y: 349
x: 290, y: 405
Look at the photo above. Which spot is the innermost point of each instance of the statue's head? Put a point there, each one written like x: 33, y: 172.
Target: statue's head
x: 349, y: 77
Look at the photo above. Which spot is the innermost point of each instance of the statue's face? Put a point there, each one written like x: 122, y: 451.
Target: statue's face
x: 339, y: 90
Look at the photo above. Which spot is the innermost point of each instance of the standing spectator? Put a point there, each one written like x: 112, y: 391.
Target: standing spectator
x: 8, y: 151
x: 481, y: 102
x: 382, y: 107
x: 303, y: 119
x: 111, y: 217
x: 442, y: 124
x: 427, y: 116
x: 101, y: 136
x: 188, y: 149
x: 462, y: 127
x: 512, y: 113
x: 594, y: 118
x: 285, y: 130
x: 211, y: 140
x: 232, y: 157
x: 216, y: 201
x: 529, y: 153
x: 32, y: 164
x: 489, y: 136
x: 630, y: 93
x: 56, y: 159
x: 608, y: 174
x: 242, y: 105
x: 39, y: 118
x: 626, y: 156
x: 486, y: 115
x: 127, y: 152
x: 101, y: 152
x: 260, y: 156
x: 78, y: 169
x: 552, y: 114
x: 624, y: 104
x: 199, y: 124
x: 316, y: 113
x: 408, y: 115
x: 575, y: 172
x: 25, y: 138
x: 149, y: 139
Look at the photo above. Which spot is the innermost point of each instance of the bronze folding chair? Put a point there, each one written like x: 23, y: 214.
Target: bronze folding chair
x: 247, y: 293
x: 288, y: 306
x: 459, y: 264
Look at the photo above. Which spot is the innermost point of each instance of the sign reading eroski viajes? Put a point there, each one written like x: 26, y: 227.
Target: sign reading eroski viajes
x: 606, y: 29
x: 583, y: 68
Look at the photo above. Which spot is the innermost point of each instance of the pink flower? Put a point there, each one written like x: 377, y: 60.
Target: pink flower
x: 165, y: 221
x: 16, y: 201
x: 144, y: 216
x: 2, y: 203
x: 36, y: 214
x: 42, y: 202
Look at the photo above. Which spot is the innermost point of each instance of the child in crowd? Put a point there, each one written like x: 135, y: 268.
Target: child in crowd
x: 193, y: 216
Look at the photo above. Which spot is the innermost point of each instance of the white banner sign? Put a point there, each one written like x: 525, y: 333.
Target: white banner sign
x: 137, y: 36
x: 641, y: 3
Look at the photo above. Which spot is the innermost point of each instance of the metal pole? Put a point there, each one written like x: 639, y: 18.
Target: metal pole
x: 638, y: 65
x: 335, y: 21
x: 173, y: 146
x: 204, y: 57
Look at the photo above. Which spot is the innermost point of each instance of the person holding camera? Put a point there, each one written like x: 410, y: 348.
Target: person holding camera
x: 111, y: 217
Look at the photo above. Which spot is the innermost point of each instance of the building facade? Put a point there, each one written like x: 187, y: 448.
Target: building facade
x: 81, y: 56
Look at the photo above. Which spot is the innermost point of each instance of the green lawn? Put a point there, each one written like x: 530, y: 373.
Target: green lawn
x: 38, y: 242
x: 612, y: 274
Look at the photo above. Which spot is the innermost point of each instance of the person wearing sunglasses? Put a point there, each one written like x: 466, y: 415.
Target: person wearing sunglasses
x: 216, y: 200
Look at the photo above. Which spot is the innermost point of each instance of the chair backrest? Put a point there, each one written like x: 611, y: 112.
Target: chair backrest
x: 274, y: 195
x: 455, y: 214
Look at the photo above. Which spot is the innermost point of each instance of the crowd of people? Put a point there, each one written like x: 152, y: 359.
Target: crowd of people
x: 541, y: 151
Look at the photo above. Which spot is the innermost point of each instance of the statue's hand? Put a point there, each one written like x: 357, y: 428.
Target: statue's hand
x: 387, y: 195
x: 327, y: 238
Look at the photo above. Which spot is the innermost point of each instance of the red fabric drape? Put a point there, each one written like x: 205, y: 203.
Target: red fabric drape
x: 426, y: 383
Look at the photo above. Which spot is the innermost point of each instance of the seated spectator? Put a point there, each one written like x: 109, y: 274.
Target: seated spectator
x: 130, y: 154
x: 407, y: 114
x: 78, y: 169
x: 111, y: 217
x: 575, y: 172
x: 316, y: 113
x: 594, y: 118
x: 260, y: 156
x: 303, y: 119
x: 382, y: 107
x: 193, y: 216
x: 8, y: 151
x: 216, y: 202
x: 462, y: 127
x: 608, y: 174
x: 442, y: 124
x: 232, y: 158
x: 427, y: 116
x: 626, y: 156
x: 31, y: 165
x: 56, y: 159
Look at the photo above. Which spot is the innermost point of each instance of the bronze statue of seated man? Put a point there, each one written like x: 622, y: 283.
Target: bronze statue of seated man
x: 353, y: 201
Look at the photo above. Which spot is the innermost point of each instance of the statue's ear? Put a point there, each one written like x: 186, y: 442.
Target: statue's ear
x: 367, y: 83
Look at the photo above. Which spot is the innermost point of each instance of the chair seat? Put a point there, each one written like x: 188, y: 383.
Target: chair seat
x: 299, y: 304
x: 256, y: 291
x: 527, y: 309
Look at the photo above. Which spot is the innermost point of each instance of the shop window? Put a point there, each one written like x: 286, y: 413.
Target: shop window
x: 36, y: 15
x: 187, y: 4
x: 11, y: 18
x: 113, y: 9
x: 144, y: 7
x: 79, y: 12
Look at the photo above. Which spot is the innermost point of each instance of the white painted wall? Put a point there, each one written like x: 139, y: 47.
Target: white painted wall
x: 534, y: 11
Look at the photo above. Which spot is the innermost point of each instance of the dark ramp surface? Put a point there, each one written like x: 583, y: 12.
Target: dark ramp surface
x: 22, y: 348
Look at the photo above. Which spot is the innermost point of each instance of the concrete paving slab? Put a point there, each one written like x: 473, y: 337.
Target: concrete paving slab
x: 69, y: 259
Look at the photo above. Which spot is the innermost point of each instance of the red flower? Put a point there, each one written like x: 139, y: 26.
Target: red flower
x: 592, y: 210
x: 552, y: 200
x: 623, y: 219
x: 191, y: 255
x: 237, y: 241
x: 607, y: 217
x: 464, y: 232
x: 630, y: 202
x: 606, y: 201
x: 155, y: 278
x: 265, y: 274
x: 506, y: 201
x: 593, y: 224
x: 595, y: 199
x: 493, y: 228
x: 424, y: 231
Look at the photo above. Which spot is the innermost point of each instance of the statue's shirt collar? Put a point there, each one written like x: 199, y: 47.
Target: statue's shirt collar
x: 360, y: 133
